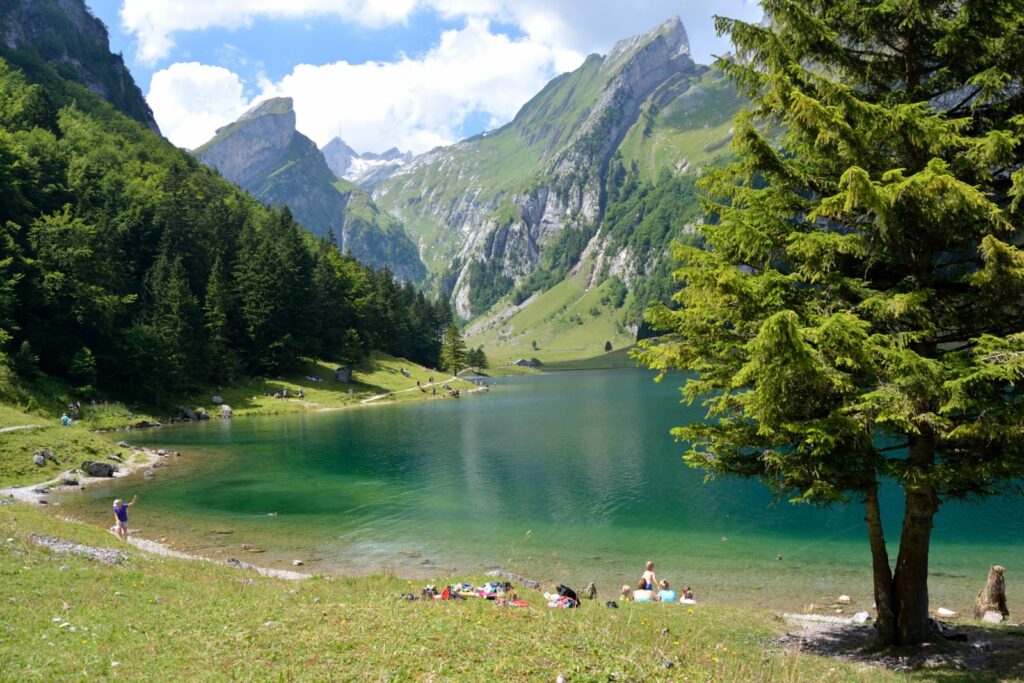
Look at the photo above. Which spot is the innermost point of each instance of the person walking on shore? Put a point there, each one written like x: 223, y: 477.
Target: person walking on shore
x: 121, y: 517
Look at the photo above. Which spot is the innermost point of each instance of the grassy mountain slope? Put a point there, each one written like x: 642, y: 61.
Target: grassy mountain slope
x: 592, y: 180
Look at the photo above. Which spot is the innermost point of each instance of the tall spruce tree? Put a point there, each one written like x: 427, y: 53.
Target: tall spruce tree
x: 453, y: 350
x: 856, y: 314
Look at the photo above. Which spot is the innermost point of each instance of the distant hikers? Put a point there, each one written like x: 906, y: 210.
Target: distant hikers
x: 121, y: 517
x: 65, y: 420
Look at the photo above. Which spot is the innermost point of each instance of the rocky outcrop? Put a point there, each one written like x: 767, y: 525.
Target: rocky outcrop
x: 65, y: 34
x: 263, y: 153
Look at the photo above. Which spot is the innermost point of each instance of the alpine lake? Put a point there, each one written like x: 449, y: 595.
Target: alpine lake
x: 566, y: 477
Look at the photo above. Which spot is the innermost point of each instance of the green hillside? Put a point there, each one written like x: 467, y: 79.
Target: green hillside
x: 685, y: 133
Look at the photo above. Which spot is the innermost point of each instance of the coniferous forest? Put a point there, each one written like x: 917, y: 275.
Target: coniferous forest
x: 128, y: 268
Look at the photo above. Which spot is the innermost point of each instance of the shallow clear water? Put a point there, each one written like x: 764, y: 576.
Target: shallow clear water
x: 564, y: 477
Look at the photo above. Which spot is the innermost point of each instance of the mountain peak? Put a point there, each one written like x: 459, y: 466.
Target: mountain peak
x: 671, y: 32
x: 275, y: 105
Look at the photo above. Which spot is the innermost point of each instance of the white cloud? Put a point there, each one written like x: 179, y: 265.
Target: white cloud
x: 155, y: 23
x: 568, y: 25
x: 191, y: 100
x: 413, y: 103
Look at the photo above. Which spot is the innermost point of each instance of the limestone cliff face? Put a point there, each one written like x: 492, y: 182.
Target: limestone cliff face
x: 502, y: 196
x: 262, y: 153
x: 250, y: 149
x: 65, y: 34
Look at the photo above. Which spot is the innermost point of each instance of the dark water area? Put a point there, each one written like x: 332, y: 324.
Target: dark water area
x: 566, y: 477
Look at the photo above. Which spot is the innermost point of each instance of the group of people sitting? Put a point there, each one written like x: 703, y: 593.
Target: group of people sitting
x: 649, y: 589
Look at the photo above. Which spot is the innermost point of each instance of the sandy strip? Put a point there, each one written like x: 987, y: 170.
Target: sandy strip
x: 17, y: 428
x: 155, y: 548
x: 137, y: 459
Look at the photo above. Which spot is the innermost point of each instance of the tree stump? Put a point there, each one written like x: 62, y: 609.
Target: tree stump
x: 993, y: 596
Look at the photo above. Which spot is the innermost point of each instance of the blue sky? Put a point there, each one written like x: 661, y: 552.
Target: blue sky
x: 379, y: 73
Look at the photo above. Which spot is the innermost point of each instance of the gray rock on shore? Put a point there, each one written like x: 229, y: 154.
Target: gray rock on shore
x: 98, y: 469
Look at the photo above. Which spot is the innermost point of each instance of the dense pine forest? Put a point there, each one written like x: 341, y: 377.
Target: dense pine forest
x: 127, y: 268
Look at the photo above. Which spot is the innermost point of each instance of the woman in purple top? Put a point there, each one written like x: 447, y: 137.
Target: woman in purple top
x: 121, y: 517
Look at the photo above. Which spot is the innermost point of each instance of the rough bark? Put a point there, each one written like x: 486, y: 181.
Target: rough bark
x: 993, y: 596
x: 910, y: 580
x: 885, y: 624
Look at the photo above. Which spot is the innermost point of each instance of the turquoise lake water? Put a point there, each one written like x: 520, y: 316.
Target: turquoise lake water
x: 563, y: 477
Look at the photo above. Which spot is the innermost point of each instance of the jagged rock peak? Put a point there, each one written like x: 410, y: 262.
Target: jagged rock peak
x: 672, y: 32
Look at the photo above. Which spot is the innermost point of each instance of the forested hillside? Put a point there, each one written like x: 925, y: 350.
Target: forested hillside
x: 128, y: 267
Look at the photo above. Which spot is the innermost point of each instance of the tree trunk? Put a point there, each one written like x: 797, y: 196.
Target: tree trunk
x: 885, y: 624
x: 993, y: 596
x: 910, y: 581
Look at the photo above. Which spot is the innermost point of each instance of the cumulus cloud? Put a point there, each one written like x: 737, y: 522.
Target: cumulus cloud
x: 191, y: 100
x: 155, y: 23
x: 412, y: 103
x: 567, y: 25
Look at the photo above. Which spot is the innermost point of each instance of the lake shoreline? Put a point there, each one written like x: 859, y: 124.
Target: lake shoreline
x: 740, y: 572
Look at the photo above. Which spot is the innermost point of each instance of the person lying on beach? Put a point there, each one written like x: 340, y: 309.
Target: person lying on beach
x: 648, y: 576
x: 121, y: 517
x: 642, y: 593
x: 666, y: 594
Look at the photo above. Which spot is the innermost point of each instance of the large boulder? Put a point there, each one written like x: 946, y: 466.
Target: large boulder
x: 201, y: 414
x: 188, y: 414
x: 225, y: 410
x: 38, y: 459
x: 98, y: 469
x: 343, y: 375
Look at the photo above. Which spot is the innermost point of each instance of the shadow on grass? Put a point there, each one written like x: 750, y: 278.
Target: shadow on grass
x: 965, y: 652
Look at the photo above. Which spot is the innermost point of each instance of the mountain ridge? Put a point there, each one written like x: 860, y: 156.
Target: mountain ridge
x: 365, y: 170
x: 263, y: 153
x: 486, y: 210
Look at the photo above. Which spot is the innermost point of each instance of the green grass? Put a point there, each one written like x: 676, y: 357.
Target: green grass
x: 70, y: 445
x: 695, y: 126
x: 153, y: 618
x: 568, y: 322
